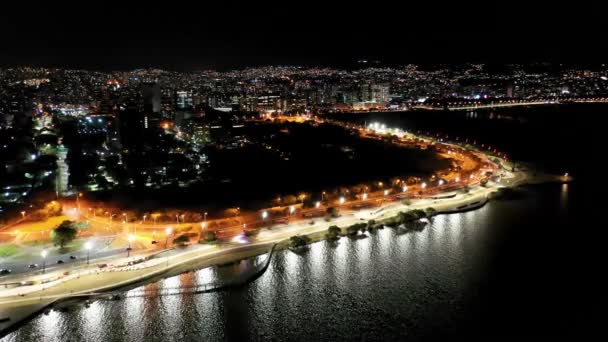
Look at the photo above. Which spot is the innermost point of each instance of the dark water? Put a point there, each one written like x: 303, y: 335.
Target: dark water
x: 531, y: 266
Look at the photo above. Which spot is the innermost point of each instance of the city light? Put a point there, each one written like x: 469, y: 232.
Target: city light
x: 88, y: 245
x: 365, y: 196
x: 264, y: 214
x: 292, y: 209
x: 441, y: 182
x: 342, y: 200
x: 423, y: 185
x: 43, y: 254
x: 318, y: 204
x: 404, y: 188
x: 385, y: 192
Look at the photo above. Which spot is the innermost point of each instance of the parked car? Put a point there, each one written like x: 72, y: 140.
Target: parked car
x: 5, y: 271
x: 73, y: 257
x: 60, y: 261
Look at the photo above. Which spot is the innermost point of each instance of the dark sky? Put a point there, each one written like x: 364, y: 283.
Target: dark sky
x: 194, y: 35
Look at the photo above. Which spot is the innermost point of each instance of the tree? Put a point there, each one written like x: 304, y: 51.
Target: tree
x: 431, y: 211
x: 332, y: 211
x: 64, y: 233
x: 418, y: 213
x: 53, y: 208
x: 333, y: 232
x: 209, y: 236
x: 483, y: 182
x: 181, y: 240
x: 308, y: 202
x: 355, y: 228
x: 298, y: 241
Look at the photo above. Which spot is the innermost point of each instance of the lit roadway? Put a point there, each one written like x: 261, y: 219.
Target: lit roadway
x: 62, y: 281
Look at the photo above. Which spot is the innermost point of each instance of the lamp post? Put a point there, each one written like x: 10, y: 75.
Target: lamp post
x: 318, y: 204
x: 88, y: 245
x: 131, y: 238
x: 292, y: 210
x: 168, y: 232
x: 342, y: 200
x: 264, y: 215
x: 23, y: 214
x: 44, y: 253
x: 78, y: 201
x: 364, y: 197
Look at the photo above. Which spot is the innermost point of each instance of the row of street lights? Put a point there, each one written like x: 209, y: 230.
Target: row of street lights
x: 44, y: 253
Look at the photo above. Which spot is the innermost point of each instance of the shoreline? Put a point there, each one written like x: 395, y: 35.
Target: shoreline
x: 26, y: 309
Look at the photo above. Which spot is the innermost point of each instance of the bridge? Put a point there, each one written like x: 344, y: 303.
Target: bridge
x: 454, y: 106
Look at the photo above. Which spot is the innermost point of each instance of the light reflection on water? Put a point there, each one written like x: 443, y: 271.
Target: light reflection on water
x: 352, y: 289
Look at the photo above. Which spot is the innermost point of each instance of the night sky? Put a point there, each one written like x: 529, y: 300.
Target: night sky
x: 111, y: 35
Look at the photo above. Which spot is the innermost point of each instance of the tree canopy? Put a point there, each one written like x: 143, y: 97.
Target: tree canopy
x: 64, y: 233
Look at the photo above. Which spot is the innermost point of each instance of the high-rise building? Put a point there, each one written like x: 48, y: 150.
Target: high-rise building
x: 151, y: 96
x: 131, y: 126
x: 184, y: 100
x: 380, y: 93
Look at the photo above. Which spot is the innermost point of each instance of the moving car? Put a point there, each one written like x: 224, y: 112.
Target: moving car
x: 4, y: 271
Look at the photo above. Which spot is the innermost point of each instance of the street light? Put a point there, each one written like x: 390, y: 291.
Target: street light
x: 145, y: 218
x: 264, y: 215
x: 423, y: 185
x: 342, y: 200
x: 441, y: 182
x: 23, y: 214
x: 292, y: 209
x: 77, y: 200
x: 385, y: 192
x: 364, y: 196
x: 44, y: 253
x: 131, y: 238
x: 318, y: 204
x: 168, y: 232
x: 88, y: 245
x: 404, y: 188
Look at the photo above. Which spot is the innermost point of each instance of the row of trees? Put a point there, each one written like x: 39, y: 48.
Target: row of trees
x: 298, y: 241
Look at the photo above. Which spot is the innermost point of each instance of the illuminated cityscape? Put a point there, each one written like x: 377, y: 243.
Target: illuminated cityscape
x: 225, y: 175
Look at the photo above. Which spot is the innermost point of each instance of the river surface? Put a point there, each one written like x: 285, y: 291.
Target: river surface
x: 525, y: 266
